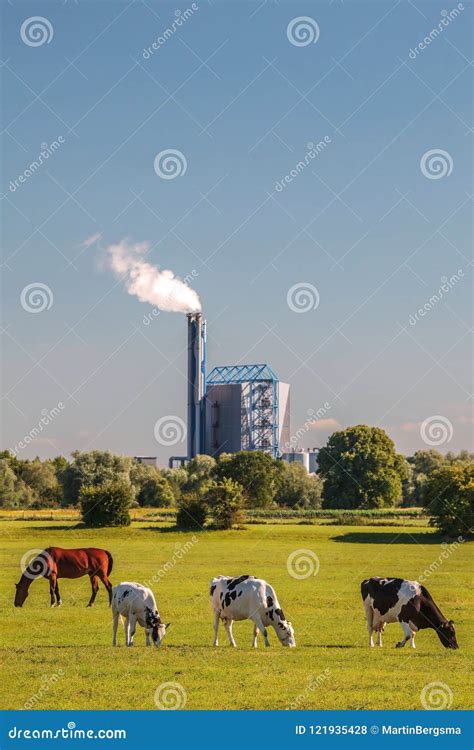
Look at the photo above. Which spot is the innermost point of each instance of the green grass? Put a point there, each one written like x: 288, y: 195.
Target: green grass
x: 64, y: 655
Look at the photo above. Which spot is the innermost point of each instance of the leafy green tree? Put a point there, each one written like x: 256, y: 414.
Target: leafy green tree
x: 107, y: 503
x: 296, y: 488
x: 422, y: 464
x: 360, y: 469
x: 92, y: 468
x: 449, y: 498
x: 256, y: 472
x: 14, y: 493
x: 200, y: 472
x: 192, y: 511
x: 226, y: 503
x: 152, y: 489
x: 176, y: 479
x: 41, y: 477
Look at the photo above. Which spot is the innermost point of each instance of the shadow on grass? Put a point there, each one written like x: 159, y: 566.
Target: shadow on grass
x: 388, y: 537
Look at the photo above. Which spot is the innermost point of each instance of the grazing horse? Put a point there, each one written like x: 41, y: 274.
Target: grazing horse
x: 56, y: 562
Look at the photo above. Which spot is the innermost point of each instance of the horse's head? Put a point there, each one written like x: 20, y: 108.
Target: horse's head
x: 21, y: 592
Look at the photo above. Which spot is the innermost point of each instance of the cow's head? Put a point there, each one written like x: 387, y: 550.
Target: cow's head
x: 158, y: 629
x: 286, y: 633
x: 21, y: 593
x: 447, y: 635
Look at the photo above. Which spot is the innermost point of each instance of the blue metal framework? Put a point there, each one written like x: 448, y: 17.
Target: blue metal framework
x: 260, y: 407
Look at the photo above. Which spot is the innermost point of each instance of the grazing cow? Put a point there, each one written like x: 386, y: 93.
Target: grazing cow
x: 249, y: 598
x: 407, y: 602
x: 135, y: 603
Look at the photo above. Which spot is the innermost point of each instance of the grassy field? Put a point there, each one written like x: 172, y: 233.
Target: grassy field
x: 62, y: 658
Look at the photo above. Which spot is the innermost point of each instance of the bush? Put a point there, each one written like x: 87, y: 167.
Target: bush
x: 192, y: 512
x: 449, y: 499
x: 226, y: 503
x: 106, y: 504
x: 361, y: 469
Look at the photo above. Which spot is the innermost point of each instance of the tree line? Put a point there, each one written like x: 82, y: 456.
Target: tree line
x: 358, y: 468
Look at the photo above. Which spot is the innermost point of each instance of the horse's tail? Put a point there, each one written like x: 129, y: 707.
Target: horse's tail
x: 110, y: 563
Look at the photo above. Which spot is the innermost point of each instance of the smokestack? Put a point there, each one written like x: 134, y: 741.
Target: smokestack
x: 196, y: 382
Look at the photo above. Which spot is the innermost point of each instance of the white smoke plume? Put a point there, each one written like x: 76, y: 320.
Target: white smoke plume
x: 147, y: 282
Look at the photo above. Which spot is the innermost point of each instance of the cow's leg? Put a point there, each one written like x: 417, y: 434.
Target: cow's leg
x: 95, y: 588
x: 52, y: 588
x: 132, y: 627
x: 407, y: 633
x: 228, y: 626
x: 412, y: 638
x: 126, y: 629
x: 255, y: 634
x: 216, y: 627
x: 259, y: 624
x: 379, y: 637
x: 370, y: 622
x: 147, y: 635
x: 115, y: 626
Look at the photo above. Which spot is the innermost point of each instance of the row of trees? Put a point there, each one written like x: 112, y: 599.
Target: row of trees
x: 358, y: 468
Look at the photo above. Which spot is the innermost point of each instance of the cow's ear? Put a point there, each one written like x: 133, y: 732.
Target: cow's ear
x: 451, y: 622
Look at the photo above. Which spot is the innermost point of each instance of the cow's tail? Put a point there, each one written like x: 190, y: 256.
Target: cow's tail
x: 110, y: 564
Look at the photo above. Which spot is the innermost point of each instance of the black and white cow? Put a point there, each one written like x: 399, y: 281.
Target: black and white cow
x: 407, y: 602
x: 249, y: 598
x: 136, y: 603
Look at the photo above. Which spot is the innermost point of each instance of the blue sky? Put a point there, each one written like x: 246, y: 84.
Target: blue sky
x: 362, y: 223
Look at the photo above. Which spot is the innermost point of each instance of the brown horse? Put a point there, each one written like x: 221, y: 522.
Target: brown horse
x: 55, y: 562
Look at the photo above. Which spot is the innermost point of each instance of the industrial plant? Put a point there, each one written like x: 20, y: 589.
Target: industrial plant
x: 235, y: 407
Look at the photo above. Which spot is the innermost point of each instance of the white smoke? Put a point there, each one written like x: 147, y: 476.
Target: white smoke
x: 147, y: 282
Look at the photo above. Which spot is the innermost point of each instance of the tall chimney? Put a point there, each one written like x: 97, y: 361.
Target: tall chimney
x: 196, y: 377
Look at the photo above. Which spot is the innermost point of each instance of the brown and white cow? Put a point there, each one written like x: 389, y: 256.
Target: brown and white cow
x: 407, y: 602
